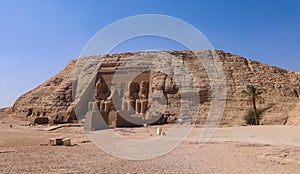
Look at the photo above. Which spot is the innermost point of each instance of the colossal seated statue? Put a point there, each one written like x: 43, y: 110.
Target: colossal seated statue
x: 101, y: 90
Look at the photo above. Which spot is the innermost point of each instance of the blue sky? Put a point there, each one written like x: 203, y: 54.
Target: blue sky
x: 39, y: 38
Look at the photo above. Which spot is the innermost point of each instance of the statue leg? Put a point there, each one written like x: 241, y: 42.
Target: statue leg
x: 144, y: 106
x: 130, y: 105
x: 124, y: 105
x: 102, y: 105
x: 138, y: 106
x: 107, y: 106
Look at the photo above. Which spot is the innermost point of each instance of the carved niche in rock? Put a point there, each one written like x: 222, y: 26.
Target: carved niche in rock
x: 170, y: 86
x: 101, y: 91
x: 134, y: 91
x: 144, y: 90
x: 137, y: 98
x: 108, y: 104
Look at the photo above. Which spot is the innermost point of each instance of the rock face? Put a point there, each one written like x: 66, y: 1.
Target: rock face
x: 280, y: 87
x: 51, y: 99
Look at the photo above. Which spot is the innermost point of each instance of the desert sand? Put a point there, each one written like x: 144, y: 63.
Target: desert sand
x: 249, y: 149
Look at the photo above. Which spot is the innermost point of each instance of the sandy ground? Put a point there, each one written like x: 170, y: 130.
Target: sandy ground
x: 262, y: 149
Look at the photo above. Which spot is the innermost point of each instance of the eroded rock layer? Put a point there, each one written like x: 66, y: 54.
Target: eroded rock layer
x: 280, y: 87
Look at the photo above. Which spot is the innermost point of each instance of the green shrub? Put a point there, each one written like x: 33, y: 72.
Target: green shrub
x: 249, y: 117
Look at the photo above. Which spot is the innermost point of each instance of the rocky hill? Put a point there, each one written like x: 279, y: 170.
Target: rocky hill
x: 280, y: 88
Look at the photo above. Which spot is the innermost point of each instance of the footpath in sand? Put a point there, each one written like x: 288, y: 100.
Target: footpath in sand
x: 249, y: 149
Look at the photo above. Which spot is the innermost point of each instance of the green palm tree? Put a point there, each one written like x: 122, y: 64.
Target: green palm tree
x: 253, y: 92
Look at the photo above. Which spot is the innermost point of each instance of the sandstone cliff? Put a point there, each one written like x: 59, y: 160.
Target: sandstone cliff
x: 51, y: 99
x: 280, y: 89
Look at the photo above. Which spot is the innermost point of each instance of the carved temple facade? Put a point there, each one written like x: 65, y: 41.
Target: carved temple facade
x: 136, y: 102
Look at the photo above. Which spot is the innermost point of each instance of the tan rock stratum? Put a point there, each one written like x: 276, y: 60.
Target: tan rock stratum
x: 280, y: 88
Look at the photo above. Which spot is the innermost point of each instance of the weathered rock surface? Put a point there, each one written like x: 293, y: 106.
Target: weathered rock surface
x: 51, y: 99
x: 280, y: 87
